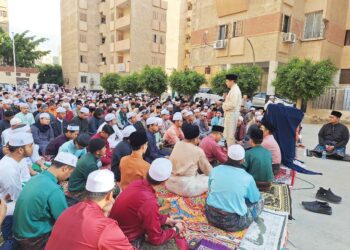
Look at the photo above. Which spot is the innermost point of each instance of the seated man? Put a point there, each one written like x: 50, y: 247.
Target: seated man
x: 42, y: 132
x: 137, y: 212
x: 214, y: 152
x: 258, y: 161
x: 174, y: 133
x: 333, y: 137
x: 70, y: 230
x: 41, y: 202
x: 86, y: 164
x: 271, y: 144
x: 234, y: 200
x: 77, y: 146
x: 134, y: 167
x: 104, y: 134
x: 188, y: 159
x: 70, y: 133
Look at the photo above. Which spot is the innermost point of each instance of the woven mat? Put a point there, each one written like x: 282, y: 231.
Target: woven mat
x: 278, y: 198
x: 285, y: 176
x: 192, y: 211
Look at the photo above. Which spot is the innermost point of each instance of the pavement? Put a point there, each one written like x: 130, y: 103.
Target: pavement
x: 317, y: 231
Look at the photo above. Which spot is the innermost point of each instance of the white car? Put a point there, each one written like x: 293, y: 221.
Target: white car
x: 205, y: 93
x: 259, y: 100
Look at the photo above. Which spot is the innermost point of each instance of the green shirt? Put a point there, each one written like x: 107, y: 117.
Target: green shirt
x: 39, y: 205
x: 258, y: 162
x: 86, y: 164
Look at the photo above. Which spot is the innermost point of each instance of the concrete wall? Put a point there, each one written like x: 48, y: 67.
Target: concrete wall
x: 4, y: 21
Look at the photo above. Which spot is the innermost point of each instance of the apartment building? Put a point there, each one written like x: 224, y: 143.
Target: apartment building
x: 4, y: 21
x: 103, y: 36
x: 267, y: 33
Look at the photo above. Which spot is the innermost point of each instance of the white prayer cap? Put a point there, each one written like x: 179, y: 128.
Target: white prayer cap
x: 236, y: 152
x: 204, y: 113
x: 23, y: 105
x: 15, y: 121
x: 67, y: 159
x: 259, y: 118
x: 189, y: 113
x: 84, y: 110
x: 114, y: 106
x: 206, y: 107
x: 130, y: 115
x: 100, y: 181
x: 128, y: 130
x: 196, y: 111
x: 92, y: 105
x: 272, y: 97
x: 109, y: 117
x: 65, y: 97
x: 160, y: 169
x: 160, y: 121
x: 66, y: 105
x: 61, y: 110
x: 164, y: 112
x: 152, y: 120
x: 252, y: 109
x: 240, y: 118
x: 177, y: 116
x: 7, y: 101
x: 170, y: 106
x: 21, y: 139
x: 73, y: 128
x: 44, y: 115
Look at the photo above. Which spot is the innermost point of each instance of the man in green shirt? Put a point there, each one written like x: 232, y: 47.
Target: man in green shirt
x: 258, y: 161
x: 86, y: 164
x: 41, y: 202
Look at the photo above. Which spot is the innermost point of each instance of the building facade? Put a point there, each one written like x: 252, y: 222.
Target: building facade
x: 22, y: 75
x: 4, y: 21
x: 225, y: 33
x: 102, y: 36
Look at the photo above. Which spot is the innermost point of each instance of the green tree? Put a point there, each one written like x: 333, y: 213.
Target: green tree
x: 131, y: 84
x: 111, y: 83
x: 303, y: 79
x: 50, y: 74
x: 186, y: 82
x: 249, y: 79
x: 154, y: 80
x: 26, y: 49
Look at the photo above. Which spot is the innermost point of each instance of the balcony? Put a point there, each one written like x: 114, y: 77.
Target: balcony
x: 123, y: 23
x: 164, y: 5
x: 122, y: 45
x: 122, y: 3
x: 157, y: 3
x: 155, y: 47
x: 111, y: 47
x: 111, y: 25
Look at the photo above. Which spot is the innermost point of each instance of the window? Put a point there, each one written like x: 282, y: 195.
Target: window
x: 207, y: 70
x: 8, y: 73
x: 82, y: 38
x: 83, y: 79
x: 18, y: 74
x: 3, y: 13
x: 103, y: 19
x: 154, y: 38
x: 222, y: 32
x: 83, y: 17
x: 237, y: 29
x: 103, y: 40
x: 314, y: 25
x: 103, y: 60
x: 27, y: 75
x: 120, y: 59
x: 286, y: 23
x: 344, y: 76
x: 347, y: 38
x: 83, y: 59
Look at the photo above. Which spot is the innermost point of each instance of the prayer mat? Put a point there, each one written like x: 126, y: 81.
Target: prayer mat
x: 311, y: 153
x: 191, y: 210
x: 278, y: 198
x: 285, y: 176
x: 268, y: 232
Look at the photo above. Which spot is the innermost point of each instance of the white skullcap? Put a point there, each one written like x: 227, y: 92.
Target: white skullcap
x: 130, y: 115
x: 196, y: 111
x: 67, y: 159
x: 100, y: 181
x: 189, y: 113
x: 65, y: 97
x: 204, y: 113
x: 252, y: 109
x: 92, y: 105
x: 177, y: 116
x: 236, y: 152
x: 66, y: 105
x: 84, y: 110
x: 44, y: 115
x: 240, y: 118
x: 23, y: 105
x: 114, y: 106
x: 21, y: 139
x: 165, y: 112
x: 61, y: 110
x: 160, y: 169
x: 128, y: 130
x: 7, y: 101
x: 272, y: 97
x: 170, y: 106
x: 72, y: 128
x: 160, y: 121
x: 152, y: 120
x: 206, y: 107
x: 15, y: 121
x: 259, y: 118
x: 109, y: 117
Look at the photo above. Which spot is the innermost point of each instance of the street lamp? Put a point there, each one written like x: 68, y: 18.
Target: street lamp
x: 14, y: 58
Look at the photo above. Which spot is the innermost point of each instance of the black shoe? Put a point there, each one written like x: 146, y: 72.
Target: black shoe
x: 327, y: 195
x: 317, y: 207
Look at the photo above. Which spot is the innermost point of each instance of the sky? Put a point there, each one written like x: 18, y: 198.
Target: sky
x: 40, y: 17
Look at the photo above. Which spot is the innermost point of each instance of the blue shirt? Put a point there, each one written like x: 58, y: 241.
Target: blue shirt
x: 153, y: 152
x: 229, y: 187
x: 69, y: 147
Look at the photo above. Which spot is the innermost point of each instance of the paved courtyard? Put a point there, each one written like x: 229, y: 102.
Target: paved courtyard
x: 317, y: 231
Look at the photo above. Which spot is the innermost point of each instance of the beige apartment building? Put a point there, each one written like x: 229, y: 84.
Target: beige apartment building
x: 224, y: 33
x: 4, y: 21
x: 102, y: 36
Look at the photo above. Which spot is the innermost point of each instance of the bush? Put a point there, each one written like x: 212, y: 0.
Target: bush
x: 186, y: 82
x: 154, y: 80
x: 50, y: 74
x: 110, y: 83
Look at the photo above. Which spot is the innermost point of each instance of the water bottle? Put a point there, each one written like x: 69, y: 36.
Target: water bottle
x: 324, y: 155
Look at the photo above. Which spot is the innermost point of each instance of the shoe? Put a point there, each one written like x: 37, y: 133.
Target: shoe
x: 327, y: 195
x: 317, y: 207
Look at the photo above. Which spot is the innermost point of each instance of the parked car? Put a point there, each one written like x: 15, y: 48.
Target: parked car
x: 206, y: 93
x: 259, y: 100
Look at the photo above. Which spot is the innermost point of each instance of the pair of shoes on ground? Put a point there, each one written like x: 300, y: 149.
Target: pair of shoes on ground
x: 322, y: 207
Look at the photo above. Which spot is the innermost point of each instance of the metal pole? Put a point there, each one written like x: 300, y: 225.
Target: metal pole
x: 14, y: 58
x: 251, y: 45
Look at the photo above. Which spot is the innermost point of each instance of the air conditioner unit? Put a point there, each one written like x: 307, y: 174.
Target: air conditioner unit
x: 121, y: 67
x: 289, y: 37
x: 220, y: 44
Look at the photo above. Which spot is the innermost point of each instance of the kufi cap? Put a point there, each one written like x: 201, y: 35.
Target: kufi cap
x: 177, y: 116
x: 206, y: 107
x: 73, y: 127
x: 21, y: 139
x: 236, y: 152
x: 100, y: 181
x: 128, y: 130
x: 44, y: 115
x: 170, y: 106
x: 160, y: 169
x: 44, y: 106
x: 137, y: 139
x: 61, y: 110
x: 92, y: 105
x: 252, y: 109
x: 271, y: 97
x: 196, y: 111
x: 23, y: 105
x: 259, y: 118
x: 114, y: 105
x: 217, y: 128
x: 84, y: 110
x: 65, y: 97
x: 160, y: 121
x: 15, y: 121
x: 204, y: 113
x: 165, y: 112
x: 130, y: 115
x: 188, y: 113
x: 257, y: 113
x: 336, y: 113
x: 231, y: 77
x: 109, y: 117
x: 152, y: 120
x: 67, y: 159
x: 190, y: 131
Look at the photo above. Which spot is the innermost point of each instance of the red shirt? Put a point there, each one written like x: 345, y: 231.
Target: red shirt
x: 84, y: 227
x: 107, y: 159
x: 212, y: 150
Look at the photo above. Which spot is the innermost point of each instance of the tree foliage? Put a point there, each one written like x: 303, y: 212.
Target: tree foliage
x: 131, y: 84
x: 249, y: 79
x: 26, y: 49
x: 111, y: 83
x: 154, y: 80
x: 303, y: 78
x: 186, y: 82
x: 50, y: 74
